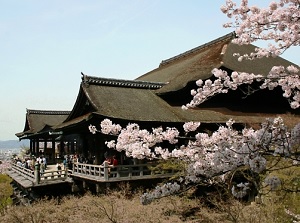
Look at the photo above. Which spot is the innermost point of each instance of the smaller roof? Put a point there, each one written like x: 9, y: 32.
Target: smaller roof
x: 38, y: 121
x: 122, y: 99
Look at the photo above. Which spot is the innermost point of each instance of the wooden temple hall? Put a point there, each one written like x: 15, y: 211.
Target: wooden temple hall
x: 154, y: 99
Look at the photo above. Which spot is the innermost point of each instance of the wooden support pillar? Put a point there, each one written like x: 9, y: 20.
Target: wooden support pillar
x: 37, y: 174
x: 45, y: 146
x: 98, y: 154
x: 85, y: 147
x: 61, y: 148
x: 106, y: 170
x: 68, y: 148
x: 72, y: 147
x: 84, y: 186
x: 107, y: 186
x: 33, y: 147
x: 141, y: 169
x: 98, y: 189
x: 74, y: 188
x: 37, y: 142
x: 53, y: 151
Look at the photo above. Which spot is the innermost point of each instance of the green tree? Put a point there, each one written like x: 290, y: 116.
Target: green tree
x: 5, y: 192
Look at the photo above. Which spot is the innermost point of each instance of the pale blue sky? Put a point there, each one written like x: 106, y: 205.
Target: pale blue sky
x: 45, y: 45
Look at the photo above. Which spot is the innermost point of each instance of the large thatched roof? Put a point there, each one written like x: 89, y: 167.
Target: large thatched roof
x: 198, y: 63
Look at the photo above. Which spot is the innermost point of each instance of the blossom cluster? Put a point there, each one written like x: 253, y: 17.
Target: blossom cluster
x: 273, y: 182
x: 221, y: 84
x: 108, y: 128
x: 158, y: 192
x: 191, y: 126
x: 212, y: 155
x: 240, y: 190
x: 278, y: 24
x: 279, y: 76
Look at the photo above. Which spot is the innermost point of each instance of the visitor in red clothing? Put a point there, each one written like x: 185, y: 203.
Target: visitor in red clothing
x: 114, y: 161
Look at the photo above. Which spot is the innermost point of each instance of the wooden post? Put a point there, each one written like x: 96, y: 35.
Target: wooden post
x: 34, y: 147
x: 118, y: 173
x: 106, y: 170
x: 37, y: 173
x: 130, y: 171
x: 53, y: 151
x: 66, y: 173
x: 31, y: 147
x: 98, y: 188
x: 45, y: 146
x: 37, y: 142
x: 141, y: 170
x: 74, y: 188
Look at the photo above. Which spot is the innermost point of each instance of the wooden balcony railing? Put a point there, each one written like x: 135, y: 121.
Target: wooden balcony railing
x: 36, y: 177
x: 100, y: 173
x: 26, y: 173
x: 107, y: 172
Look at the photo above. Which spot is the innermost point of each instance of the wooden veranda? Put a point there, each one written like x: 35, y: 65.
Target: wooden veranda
x: 81, y: 174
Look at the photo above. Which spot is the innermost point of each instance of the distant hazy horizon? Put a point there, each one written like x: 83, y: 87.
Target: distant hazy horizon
x: 13, y: 144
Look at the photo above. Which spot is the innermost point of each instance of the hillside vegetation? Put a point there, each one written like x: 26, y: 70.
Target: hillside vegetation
x: 121, y: 206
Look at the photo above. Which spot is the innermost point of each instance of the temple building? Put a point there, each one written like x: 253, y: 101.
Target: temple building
x: 155, y: 99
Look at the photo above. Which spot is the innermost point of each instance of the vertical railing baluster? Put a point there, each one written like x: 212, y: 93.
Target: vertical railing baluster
x: 106, y: 177
x: 118, y: 173
x: 130, y: 171
x: 141, y: 168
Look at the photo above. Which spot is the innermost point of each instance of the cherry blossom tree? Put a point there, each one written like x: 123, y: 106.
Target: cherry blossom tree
x: 279, y: 26
x: 4, y: 165
x: 210, y: 158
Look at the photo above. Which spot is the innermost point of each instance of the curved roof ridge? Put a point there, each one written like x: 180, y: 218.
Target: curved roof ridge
x: 121, y: 82
x: 223, y: 38
x: 47, y: 112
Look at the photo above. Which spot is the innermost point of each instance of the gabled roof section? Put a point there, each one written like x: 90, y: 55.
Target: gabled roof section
x: 198, y: 49
x: 189, y: 66
x: 107, y: 96
x: 121, y: 99
x: 198, y: 63
x: 89, y: 80
x: 42, y: 120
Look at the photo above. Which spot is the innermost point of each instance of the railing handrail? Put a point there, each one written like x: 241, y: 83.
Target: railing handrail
x: 27, y: 173
x: 36, y: 176
x: 54, y: 175
x: 107, y: 172
x: 102, y: 172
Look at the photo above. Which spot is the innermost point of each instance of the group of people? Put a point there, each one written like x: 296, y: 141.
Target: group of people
x: 74, y: 158
x: 29, y: 163
x: 111, y: 160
